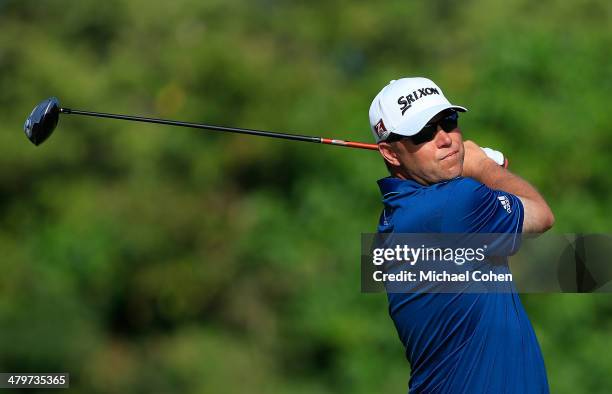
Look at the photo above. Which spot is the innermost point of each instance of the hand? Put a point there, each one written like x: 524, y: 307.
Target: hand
x: 474, y: 159
x: 496, y: 156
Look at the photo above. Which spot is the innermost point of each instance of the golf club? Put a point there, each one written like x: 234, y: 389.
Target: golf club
x: 43, y: 120
x: 44, y: 117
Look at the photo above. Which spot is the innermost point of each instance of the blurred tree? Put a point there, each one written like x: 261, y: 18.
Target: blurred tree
x: 149, y: 259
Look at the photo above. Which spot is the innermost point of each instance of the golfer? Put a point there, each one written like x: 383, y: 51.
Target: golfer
x: 439, y: 183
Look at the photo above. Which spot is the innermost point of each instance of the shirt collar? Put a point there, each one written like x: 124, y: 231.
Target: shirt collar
x: 391, y: 185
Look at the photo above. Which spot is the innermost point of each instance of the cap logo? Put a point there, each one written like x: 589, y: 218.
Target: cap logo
x: 405, y: 102
x: 380, y: 128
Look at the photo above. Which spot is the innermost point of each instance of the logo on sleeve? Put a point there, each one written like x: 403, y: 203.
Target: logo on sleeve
x: 505, y: 203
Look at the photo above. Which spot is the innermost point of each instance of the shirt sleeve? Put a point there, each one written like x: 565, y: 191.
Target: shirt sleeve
x: 473, y: 207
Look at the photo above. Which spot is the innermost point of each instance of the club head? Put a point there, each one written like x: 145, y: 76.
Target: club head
x: 42, y: 121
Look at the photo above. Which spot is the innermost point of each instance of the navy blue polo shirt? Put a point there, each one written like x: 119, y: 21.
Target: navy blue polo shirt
x: 468, y: 342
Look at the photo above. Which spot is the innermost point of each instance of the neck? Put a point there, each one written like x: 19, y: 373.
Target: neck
x: 401, y: 173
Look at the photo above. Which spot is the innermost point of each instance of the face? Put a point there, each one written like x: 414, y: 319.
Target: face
x: 430, y: 162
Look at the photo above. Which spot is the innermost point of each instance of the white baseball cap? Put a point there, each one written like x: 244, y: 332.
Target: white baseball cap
x: 405, y: 106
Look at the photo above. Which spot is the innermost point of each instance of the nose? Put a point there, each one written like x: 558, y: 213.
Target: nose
x: 443, y: 140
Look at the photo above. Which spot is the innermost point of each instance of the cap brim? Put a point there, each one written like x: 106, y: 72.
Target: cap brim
x: 413, y: 125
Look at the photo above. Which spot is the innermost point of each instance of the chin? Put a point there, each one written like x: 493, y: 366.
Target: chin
x: 453, y: 172
x: 458, y: 171
x: 446, y: 176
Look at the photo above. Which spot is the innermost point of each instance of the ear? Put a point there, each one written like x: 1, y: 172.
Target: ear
x: 388, y: 153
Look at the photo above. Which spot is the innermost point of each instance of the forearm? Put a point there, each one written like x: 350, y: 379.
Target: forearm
x: 538, y: 216
x: 497, y: 177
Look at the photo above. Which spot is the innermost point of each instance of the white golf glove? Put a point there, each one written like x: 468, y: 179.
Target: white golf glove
x: 496, y: 156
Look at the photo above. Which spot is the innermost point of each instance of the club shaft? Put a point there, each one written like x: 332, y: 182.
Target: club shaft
x: 261, y: 133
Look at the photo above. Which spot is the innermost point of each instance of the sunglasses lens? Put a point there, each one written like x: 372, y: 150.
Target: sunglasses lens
x: 426, y: 134
x: 449, y: 123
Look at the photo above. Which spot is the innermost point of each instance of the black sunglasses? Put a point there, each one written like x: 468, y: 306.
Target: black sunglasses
x: 448, y: 123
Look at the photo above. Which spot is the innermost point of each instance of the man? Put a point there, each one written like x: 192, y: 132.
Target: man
x: 468, y: 342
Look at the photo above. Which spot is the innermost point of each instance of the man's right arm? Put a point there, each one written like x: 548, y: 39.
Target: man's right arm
x: 477, y: 165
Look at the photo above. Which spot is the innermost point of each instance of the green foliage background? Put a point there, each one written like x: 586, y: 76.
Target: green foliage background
x: 149, y: 259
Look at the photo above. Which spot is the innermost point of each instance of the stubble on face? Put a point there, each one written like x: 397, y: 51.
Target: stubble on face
x: 451, y: 163
x: 438, y: 160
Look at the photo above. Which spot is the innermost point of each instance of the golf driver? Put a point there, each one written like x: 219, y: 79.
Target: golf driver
x: 43, y: 120
x: 44, y: 117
